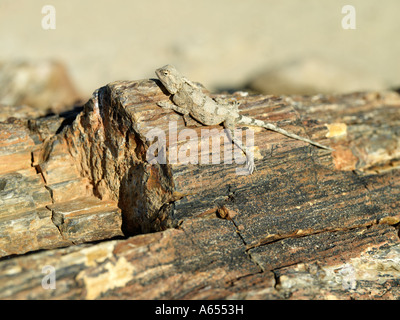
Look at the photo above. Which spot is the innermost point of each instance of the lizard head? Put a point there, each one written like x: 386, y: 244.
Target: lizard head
x: 170, y: 78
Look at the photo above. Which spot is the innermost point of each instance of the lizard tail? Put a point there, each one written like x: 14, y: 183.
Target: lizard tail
x: 254, y: 122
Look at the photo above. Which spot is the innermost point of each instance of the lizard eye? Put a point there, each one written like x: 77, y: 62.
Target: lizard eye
x: 165, y: 73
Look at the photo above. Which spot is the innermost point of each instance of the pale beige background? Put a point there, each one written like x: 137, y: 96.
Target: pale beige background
x: 221, y: 43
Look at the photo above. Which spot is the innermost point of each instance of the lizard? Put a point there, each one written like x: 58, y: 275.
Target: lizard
x: 189, y: 100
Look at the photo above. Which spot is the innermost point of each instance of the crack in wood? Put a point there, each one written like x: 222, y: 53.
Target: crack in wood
x: 296, y: 234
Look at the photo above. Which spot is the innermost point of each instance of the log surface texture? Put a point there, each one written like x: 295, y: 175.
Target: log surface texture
x: 77, y: 192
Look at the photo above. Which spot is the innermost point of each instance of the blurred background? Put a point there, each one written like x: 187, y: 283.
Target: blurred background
x: 267, y: 46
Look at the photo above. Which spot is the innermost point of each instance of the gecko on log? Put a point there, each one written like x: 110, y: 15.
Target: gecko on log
x: 189, y: 100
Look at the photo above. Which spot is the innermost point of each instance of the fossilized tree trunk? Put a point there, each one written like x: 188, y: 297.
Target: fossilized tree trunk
x: 305, y: 224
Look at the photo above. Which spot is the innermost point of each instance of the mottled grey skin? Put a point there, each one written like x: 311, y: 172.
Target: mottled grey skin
x: 189, y: 99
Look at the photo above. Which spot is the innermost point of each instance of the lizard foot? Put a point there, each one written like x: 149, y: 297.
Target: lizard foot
x: 250, y: 166
x: 247, y: 170
x: 164, y: 105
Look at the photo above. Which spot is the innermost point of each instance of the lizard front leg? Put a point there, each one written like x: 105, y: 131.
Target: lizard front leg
x: 170, y: 106
x: 189, y: 121
x: 229, y: 124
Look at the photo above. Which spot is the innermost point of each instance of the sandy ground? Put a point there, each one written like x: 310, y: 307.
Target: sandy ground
x: 221, y: 43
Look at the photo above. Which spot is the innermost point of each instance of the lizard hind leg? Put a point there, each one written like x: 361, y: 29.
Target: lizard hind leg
x: 249, y: 155
x: 234, y: 106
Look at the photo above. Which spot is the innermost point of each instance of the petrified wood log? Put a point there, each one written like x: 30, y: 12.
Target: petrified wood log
x: 44, y: 202
x: 305, y: 216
